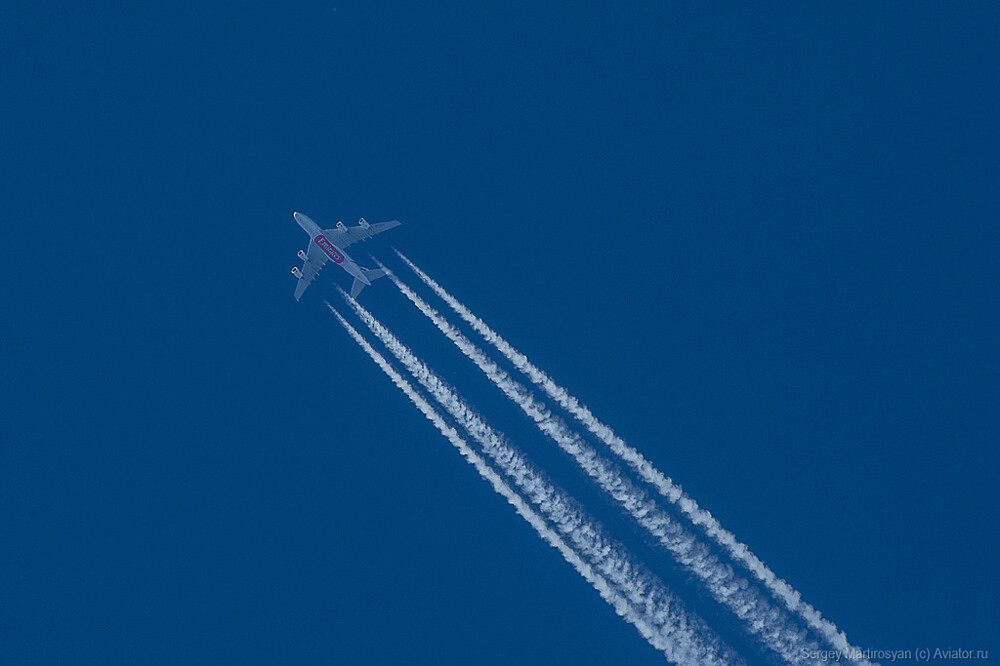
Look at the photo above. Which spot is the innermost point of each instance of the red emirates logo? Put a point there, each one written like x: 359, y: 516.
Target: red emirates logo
x: 330, y: 250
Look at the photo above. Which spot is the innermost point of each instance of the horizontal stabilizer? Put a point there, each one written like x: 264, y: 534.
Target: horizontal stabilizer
x: 371, y: 274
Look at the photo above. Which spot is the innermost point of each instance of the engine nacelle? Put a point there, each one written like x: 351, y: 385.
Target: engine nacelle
x: 302, y: 255
x: 296, y: 272
x: 340, y: 225
x: 364, y: 223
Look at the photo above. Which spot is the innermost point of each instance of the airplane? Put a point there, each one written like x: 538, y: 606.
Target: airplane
x: 326, y: 244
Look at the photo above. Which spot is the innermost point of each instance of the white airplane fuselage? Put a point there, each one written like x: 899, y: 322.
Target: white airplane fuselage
x: 337, y: 255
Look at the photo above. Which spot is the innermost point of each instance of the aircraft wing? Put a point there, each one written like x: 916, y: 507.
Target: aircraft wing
x: 315, y: 258
x: 344, y: 236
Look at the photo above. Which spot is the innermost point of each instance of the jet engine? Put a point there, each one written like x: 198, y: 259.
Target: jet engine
x: 296, y: 272
x: 302, y: 255
x: 340, y: 225
x: 364, y: 223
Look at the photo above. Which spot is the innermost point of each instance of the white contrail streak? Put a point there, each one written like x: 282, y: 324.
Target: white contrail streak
x: 739, y: 551
x: 760, y: 616
x: 609, y: 594
x: 683, y: 638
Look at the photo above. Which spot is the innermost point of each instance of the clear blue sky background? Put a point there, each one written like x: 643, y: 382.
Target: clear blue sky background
x: 761, y: 243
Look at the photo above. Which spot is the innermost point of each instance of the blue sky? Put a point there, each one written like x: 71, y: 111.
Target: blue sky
x: 759, y: 242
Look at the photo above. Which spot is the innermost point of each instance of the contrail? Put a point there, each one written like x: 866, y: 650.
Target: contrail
x: 683, y: 637
x: 609, y: 594
x: 739, y: 551
x: 760, y: 616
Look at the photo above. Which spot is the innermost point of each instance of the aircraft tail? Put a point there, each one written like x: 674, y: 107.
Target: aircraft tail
x: 372, y: 274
